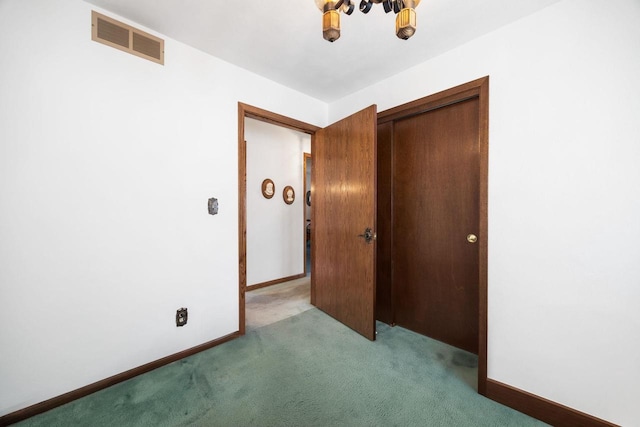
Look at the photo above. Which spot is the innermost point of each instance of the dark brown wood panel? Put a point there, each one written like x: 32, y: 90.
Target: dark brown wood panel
x: 436, y: 193
x: 344, y: 204
x: 384, y: 309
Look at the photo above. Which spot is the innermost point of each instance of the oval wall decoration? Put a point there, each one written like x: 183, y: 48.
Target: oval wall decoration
x: 288, y: 194
x: 268, y: 188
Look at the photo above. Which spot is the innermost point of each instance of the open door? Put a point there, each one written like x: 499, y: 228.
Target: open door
x: 343, y: 188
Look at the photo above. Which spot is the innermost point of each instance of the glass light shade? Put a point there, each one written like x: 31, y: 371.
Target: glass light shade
x: 406, y: 23
x: 331, y: 25
x: 405, y: 18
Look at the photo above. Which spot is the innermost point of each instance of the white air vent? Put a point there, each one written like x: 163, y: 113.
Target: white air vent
x: 124, y: 37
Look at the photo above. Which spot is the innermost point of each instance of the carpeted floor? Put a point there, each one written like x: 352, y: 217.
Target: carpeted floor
x: 306, y: 370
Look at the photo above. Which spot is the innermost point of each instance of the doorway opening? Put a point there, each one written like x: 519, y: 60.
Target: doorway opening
x: 279, y: 198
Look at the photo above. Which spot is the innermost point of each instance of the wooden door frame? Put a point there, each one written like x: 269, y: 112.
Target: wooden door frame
x: 475, y: 89
x: 246, y: 110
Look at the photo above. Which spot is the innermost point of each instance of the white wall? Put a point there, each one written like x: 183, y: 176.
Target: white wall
x: 564, y: 197
x: 106, y: 164
x: 275, y: 230
x: 103, y: 224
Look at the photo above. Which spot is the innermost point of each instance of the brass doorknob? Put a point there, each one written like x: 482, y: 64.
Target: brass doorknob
x: 472, y: 238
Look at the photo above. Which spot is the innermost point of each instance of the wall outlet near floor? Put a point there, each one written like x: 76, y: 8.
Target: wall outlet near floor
x: 181, y: 317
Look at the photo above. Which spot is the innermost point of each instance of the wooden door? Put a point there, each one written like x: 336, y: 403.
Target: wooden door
x: 343, y: 184
x: 436, y: 199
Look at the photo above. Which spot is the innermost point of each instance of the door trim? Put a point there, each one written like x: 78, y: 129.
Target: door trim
x: 475, y: 89
x: 246, y: 110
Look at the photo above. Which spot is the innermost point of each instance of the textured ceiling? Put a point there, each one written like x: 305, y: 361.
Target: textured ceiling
x: 282, y: 40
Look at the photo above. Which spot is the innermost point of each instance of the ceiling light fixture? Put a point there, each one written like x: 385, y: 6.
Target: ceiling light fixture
x: 405, y: 11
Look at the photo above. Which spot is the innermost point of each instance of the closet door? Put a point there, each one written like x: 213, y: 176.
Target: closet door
x: 436, y: 187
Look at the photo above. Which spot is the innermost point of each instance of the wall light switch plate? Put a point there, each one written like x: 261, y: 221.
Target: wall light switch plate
x: 213, y: 206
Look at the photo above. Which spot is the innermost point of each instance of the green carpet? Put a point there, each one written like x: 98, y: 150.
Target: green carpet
x: 307, y: 370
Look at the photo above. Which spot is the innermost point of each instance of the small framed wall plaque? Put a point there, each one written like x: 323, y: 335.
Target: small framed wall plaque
x: 288, y: 194
x: 268, y: 188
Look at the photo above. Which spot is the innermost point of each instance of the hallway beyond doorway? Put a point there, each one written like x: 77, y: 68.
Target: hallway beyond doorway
x: 271, y: 304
